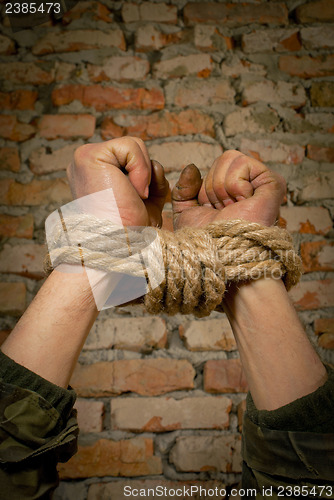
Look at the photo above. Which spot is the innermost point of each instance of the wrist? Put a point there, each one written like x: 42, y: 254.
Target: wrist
x: 253, y: 291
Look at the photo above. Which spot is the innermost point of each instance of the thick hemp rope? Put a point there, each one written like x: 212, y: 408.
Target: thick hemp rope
x: 198, y: 263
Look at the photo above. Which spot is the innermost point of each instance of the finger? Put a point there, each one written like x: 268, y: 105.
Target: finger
x: 159, y: 186
x: 213, y: 190
x: 185, y: 191
x: 143, y: 148
x: 129, y: 155
x: 243, y: 176
x: 209, y: 186
x: 207, y: 195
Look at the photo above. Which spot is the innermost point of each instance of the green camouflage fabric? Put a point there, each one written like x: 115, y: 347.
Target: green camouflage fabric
x: 33, y: 439
x: 279, y: 463
x: 296, y: 461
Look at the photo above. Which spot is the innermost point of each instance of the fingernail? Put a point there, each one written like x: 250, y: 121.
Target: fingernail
x: 146, y: 192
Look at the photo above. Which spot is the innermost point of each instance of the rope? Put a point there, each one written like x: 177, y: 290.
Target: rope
x: 198, y: 263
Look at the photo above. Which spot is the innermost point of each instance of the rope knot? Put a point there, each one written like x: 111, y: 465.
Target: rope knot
x: 195, y: 265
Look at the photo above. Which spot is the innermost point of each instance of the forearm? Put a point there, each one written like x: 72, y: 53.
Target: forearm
x: 279, y: 362
x: 49, y: 337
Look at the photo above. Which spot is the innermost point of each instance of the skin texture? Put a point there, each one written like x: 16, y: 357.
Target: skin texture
x: 278, y: 360
x: 50, y: 335
x: 236, y: 187
x: 139, y: 185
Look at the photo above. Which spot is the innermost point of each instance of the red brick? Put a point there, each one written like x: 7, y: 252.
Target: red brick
x: 253, y: 120
x: 63, y: 71
x: 145, y: 377
x: 180, y: 66
x: 95, y: 11
x: 35, y: 192
x: 324, y: 325
x: 25, y: 260
x: 42, y: 162
x: 297, y: 122
x: 209, y: 38
x: 317, y: 186
x: 26, y: 72
x: 149, y: 12
x: 67, y: 126
x: 149, y: 38
x: 224, y: 375
x: 130, y: 457
x: 90, y: 415
x: 105, y: 98
x: 322, y: 94
x: 317, y: 256
x: 207, y: 453
x: 116, y: 68
x: 326, y: 341
x: 174, y: 156
x: 318, y: 37
x: 275, y: 40
x: 309, y: 220
x: 241, y: 411
x: 211, y: 92
x: 14, y: 130
x: 4, y: 335
x: 133, y: 334
x: 229, y: 14
x: 164, y: 124
x: 282, y: 93
x: 307, y: 66
x: 16, y: 227
x: 9, y: 159
x: 19, y: 99
x: 75, y: 40
x: 209, y: 335
x: 321, y: 121
x: 237, y: 67
x: 320, y: 153
x: 167, y: 414
x: 7, y: 46
x: 273, y: 151
x: 321, y: 11
x: 115, y: 489
x: 109, y: 129
x: 12, y: 298
x: 309, y: 295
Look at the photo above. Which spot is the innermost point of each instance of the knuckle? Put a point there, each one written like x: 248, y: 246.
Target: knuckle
x: 81, y: 153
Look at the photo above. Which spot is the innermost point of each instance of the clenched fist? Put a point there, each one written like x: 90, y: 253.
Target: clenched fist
x: 139, y: 185
x: 236, y: 187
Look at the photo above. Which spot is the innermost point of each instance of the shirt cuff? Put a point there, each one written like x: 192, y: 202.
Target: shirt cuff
x: 311, y: 413
x: 13, y: 373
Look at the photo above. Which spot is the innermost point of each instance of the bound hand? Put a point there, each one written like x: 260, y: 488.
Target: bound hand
x: 236, y: 187
x: 139, y: 185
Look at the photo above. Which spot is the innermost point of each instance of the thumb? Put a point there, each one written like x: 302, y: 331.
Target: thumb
x: 185, y: 191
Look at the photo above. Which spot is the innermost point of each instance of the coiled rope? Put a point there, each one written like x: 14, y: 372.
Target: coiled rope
x: 198, y: 263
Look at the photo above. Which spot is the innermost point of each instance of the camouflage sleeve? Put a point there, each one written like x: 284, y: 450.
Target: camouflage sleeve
x: 34, y: 434
x: 289, y: 452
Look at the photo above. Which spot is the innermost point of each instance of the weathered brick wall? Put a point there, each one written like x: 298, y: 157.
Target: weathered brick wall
x: 161, y: 399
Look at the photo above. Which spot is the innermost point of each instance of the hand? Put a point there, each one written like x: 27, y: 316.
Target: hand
x: 236, y: 187
x: 139, y: 185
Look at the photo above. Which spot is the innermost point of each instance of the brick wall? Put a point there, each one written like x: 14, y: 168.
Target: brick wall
x: 161, y: 399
